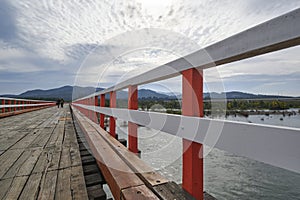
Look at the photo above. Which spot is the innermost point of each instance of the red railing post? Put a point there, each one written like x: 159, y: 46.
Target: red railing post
x: 85, y: 111
x: 90, y: 112
x: 15, y: 103
x: 112, y: 120
x: 192, y: 159
x: 95, y: 113
x: 102, y: 104
x: 3, y: 104
x: 9, y: 103
x: 132, y: 127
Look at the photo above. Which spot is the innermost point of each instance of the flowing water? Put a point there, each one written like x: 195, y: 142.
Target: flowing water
x: 226, y: 176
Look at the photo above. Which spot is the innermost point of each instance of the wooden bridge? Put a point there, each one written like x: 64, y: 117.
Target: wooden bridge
x: 45, y: 153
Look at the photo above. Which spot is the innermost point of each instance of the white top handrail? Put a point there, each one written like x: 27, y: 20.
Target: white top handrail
x: 25, y: 105
x: 276, y: 34
x: 34, y: 100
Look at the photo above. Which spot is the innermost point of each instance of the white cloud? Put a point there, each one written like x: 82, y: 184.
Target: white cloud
x: 58, y: 34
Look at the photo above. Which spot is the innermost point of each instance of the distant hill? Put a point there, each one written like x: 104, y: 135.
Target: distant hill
x: 66, y: 93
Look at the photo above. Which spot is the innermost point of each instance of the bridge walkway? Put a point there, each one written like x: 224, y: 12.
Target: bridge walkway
x: 40, y: 157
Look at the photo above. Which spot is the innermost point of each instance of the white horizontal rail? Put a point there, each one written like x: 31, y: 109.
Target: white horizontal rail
x: 274, y: 145
x: 279, y: 33
x: 24, y: 105
x: 13, y: 99
x: 255, y: 99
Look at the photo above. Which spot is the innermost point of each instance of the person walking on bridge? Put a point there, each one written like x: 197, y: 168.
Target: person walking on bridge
x: 62, y: 103
x: 58, y: 103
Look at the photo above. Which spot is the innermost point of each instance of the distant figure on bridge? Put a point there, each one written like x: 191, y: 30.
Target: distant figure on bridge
x: 58, y: 103
x: 62, y: 103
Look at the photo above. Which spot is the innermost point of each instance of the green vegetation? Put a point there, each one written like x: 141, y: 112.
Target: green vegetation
x: 174, y: 106
x: 262, y: 104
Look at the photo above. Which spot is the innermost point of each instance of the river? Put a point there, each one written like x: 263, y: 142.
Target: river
x: 227, y: 176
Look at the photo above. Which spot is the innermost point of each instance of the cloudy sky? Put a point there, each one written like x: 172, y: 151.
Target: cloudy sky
x: 51, y: 43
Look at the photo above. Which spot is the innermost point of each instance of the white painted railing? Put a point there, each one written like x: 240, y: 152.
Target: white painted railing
x: 9, y: 105
x: 278, y: 146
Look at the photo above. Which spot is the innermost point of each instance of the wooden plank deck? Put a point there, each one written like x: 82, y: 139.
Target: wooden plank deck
x: 39, y: 156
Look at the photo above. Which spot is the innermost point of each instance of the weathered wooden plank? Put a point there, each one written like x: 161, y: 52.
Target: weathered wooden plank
x: 65, y: 160
x: 75, y: 156
x: 25, y: 141
x: 138, y: 192
x: 117, y: 174
x: 7, y: 159
x: 58, y: 131
x: 31, y: 189
x: 170, y: 191
x: 54, y: 158
x: 144, y: 171
x: 63, y: 186
x: 42, y: 162
x: 78, y: 183
x: 96, y: 192
x: 10, y: 140
x: 28, y: 165
x: 13, y: 170
x: 16, y: 187
x: 4, y: 186
x: 94, y: 179
x: 43, y: 138
x: 48, y: 185
x: 90, y: 169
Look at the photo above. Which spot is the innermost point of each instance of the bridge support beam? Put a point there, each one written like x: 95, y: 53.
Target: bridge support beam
x: 112, y: 120
x: 132, y: 127
x: 192, y: 105
x: 102, y: 104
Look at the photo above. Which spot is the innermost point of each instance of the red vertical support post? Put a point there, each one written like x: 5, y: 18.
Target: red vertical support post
x: 89, y: 112
x: 9, y: 103
x: 192, y: 105
x: 3, y: 104
x: 91, y: 116
x: 112, y: 120
x: 95, y: 113
x: 15, y: 102
x: 85, y: 103
x: 102, y: 104
x: 132, y: 127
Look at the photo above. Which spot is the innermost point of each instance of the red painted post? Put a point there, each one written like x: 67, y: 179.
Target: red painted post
x: 112, y: 120
x: 88, y: 111
x: 102, y: 104
x: 132, y: 127
x: 91, y: 103
x: 15, y: 102
x: 9, y: 103
x: 192, y: 105
x: 3, y: 103
x: 95, y: 113
x: 85, y: 103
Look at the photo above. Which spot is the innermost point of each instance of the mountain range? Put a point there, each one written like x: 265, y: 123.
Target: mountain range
x: 69, y: 92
